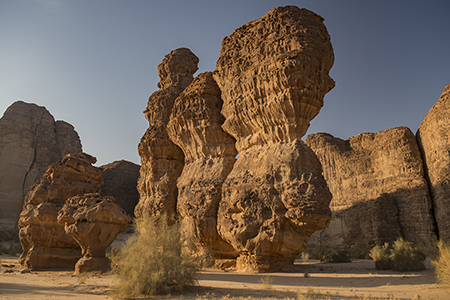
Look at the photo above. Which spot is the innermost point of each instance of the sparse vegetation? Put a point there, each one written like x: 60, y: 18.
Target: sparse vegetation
x: 442, y: 264
x: 336, y: 256
x: 402, y: 256
x: 153, y: 261
x: 267, y: 282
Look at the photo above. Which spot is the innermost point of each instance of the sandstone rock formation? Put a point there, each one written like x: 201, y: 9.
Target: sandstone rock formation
x: 120, y: 181
x: 161, y: 160
x: 93, y: 221
x: 195, y: 126
x: 30, y: 140
x: 273, y: 74
x: 434, y: 143
x: 44, y: 242
x: 378, y: 187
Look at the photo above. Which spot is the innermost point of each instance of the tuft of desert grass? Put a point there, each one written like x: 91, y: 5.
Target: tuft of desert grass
x: 267, y: 282
x: 442, y: 264
x: 154, y: 261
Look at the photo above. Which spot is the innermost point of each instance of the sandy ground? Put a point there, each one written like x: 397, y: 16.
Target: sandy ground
x: 354, y: 280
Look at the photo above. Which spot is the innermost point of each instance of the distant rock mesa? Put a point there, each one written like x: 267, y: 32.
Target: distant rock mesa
x: 30, y: 140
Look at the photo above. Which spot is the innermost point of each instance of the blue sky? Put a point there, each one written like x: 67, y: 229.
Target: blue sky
x: 93, y: 63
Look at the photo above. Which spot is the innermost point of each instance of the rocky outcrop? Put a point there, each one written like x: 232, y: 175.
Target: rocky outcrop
x: 93, y: 221
x: 195, y: 126
x: 378, y: 187
x: 44, y: 242
x: 161, y: 160
x: 120, y: 181
x: 273, y: 74
x: 434, y: 143
x: 30, y: 140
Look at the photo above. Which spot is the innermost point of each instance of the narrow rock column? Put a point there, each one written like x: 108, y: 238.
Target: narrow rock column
x: 161, y: 160
x: 195, y: 126
x: 273, y: 74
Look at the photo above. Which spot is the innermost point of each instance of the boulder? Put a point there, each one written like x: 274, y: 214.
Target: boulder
x: 93, y: 221
x: 195, y: 126
x: 44, y: 242
x: 273, y: 75
x: 120, y: 181
x: 434, y: 142
x: 161, y: 160
x: 378, y: 187
x: 30, y: 140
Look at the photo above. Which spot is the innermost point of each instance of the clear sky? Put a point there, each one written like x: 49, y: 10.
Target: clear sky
x: 93, y: 63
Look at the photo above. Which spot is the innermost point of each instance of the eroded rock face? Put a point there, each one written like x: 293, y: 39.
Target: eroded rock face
x: 378, y: 187
x: 273, y: 74
x: 44, y: 242
x: 30, y: 140
x: 195, y: 126
x: 93, y: 221
x: 161, y: 160
x: 434, y: 142
x: 273, y: 200
x: 120, y: 182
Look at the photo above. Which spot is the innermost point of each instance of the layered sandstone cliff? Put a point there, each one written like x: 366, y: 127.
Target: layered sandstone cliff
x: 30, y: 140
x: 161, y: 160
x: 44, y: 242
x: 434, y: 142
x: 195, y: 126
x: 273, y: 75
x: 378, y: 187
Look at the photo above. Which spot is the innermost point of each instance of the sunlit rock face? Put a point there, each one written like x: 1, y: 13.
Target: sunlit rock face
x: 434, y: 142
x: 93, y: 221
x: 273, y: 75
x: 195, y: 126
x: 30, y: 140
x: 378, y: 187
x: 44, y: 242
x: 161, y: 160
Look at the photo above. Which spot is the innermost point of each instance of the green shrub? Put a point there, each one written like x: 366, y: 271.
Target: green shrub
x: 442, y: 264
x: 380, y: 256
x: 406, y: 257
x: 153, y: 261
x: 336, y: 256
x: 402, y: 257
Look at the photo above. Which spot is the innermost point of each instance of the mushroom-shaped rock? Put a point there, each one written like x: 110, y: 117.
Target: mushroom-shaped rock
x: 93, y: 221
x: 44, y: 242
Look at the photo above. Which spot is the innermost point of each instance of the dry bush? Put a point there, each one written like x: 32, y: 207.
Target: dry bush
x: 442, y: 264
x: 406, y: 257
x: 380, y: 256
x: 153, y: 261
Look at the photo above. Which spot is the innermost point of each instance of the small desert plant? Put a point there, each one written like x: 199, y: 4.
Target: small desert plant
x: 267, y: 282
x: 442, y: 264
x: 380, y: 256
x: 406, y: 257
x: 305, y: 256
x: 153, y: 261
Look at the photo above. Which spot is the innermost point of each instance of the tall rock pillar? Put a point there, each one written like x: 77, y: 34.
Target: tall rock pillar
x: 273, y: 74
x: 161, y: 160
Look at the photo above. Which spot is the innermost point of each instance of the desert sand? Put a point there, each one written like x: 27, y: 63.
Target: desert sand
x: 355, y: 280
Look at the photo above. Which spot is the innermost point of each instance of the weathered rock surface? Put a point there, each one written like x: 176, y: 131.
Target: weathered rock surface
x: 273, y: 74
x: 120, y: 182
x: 195, y: 126
x: 30, y: 140
x: 378, y: 187
x: 44, y: 242
x: 434, y: 142
x: 161, y: 160
x: 93, y: 221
